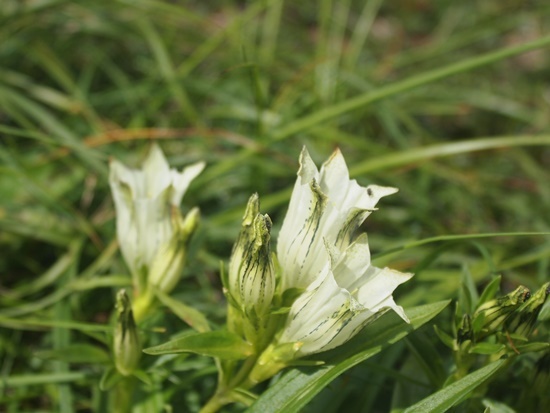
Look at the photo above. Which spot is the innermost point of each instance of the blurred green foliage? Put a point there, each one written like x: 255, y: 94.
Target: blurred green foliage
x: 244, y: 85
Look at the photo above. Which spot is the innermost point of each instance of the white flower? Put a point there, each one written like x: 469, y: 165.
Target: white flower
x: 343, y: 291
x: 147, y: 206
x: 346, y: 295
x: 325, y: 207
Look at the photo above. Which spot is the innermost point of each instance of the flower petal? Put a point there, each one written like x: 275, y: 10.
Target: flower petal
x: 181, y: 180
x: 377, y: 289
x: 156, y: 174
x: 300, y: 244
x: 324, y: 316
x: 325, y: 207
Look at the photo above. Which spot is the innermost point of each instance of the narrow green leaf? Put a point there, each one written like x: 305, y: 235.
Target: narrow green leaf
x: 404, y: 85
x: 37, y: 379
x: 110, y: 378
x: 444, y: 337
x: 451, y: 395
x: 490, y: 290
x: 76, y: 353
x: 188, y: 314
x: 32, y: 324
x: 143, y: 377
x: 300, y: 385
x: 532, y: 347
x: 221, y: 344
x: 440, y: 150
x: 487, y: 348
x: 458, y: 237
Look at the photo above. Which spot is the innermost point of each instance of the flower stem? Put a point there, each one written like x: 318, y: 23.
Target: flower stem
x: 142, y: 305
x: 223, y: 393
x: 217, y: 401
x: 121, y: 396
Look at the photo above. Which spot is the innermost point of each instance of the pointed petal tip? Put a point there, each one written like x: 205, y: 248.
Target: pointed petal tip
x: 307, y: 170
x: 336, y: 155
x: 399, y: 276
x: 381, y: 191
x: 401, y: 313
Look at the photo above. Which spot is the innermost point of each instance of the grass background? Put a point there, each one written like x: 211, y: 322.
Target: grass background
x: 433, y: 98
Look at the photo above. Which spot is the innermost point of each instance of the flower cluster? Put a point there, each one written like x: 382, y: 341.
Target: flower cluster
x: 316, y: 293
x: 325, y: 272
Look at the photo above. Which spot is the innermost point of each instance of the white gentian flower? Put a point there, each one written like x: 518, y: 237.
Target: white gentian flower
x: 325, y: 207
x: 343, y: 291
x: 149, y: 221
x: 347, y: 294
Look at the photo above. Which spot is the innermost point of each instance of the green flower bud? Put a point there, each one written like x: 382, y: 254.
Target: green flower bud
x: 488, y: 318
x: 465, y: 331
x: 126, y: 346
x: 524, y: 318
x: 251, y: 278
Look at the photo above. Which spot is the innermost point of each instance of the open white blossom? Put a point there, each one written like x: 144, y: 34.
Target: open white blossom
x: 149, y: 221
x: 325, y: 207
x: 346, y: 295
x: 316, y: 252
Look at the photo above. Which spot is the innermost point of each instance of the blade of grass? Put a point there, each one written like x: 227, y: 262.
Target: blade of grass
x: 49, y: 378
x: 55, y: 127
x: 447, y: 149
x: 412, y: 82
x: 33, y: 324
x: 361, y: 32
x: 167, y: 71
x: 456, y: 238
x: 215, y: 41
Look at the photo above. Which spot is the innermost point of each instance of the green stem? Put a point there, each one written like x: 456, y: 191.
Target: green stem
x: 214, y: 404
x: 121, y: 396
x: 142, y: 305
x: 223, y: 393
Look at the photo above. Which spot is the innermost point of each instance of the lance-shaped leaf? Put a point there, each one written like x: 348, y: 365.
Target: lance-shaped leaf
x: 190, y: 315
x: 222, y: 344
x: 453, y: 394
x: 297, y: 387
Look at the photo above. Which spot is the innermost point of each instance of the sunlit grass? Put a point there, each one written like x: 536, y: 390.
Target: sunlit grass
x: 439, y: 100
